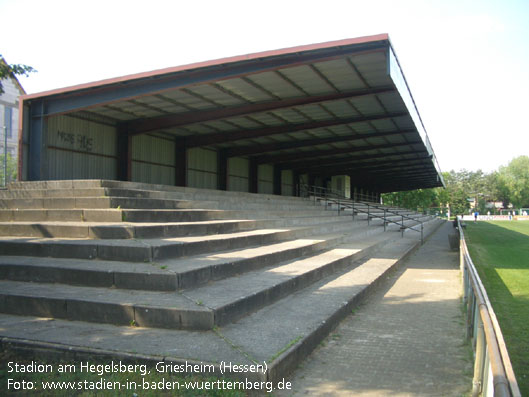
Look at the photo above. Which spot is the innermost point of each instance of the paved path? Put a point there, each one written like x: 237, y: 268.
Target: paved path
x: 406, y: 340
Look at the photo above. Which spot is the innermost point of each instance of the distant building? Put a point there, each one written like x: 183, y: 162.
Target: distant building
x: 9, y: 118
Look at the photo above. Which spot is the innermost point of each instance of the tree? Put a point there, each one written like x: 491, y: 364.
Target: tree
x: 514, y: 178
x: 413, y: 199
x: 13, y: 70
x: 11, y: 173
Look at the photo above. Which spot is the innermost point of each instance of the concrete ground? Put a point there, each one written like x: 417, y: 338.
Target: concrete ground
x: 407, y: 339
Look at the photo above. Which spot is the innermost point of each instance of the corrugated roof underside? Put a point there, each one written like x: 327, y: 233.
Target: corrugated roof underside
x: 330, y: 129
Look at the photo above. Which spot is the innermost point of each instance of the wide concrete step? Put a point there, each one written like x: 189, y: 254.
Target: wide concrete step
x: 59, y: 184
x: 127, y: 230
x: 52, y: 193
x: 148, y: 215
x: 100, y: 203
x: 193, y: 215
x: 141, y: 250
x: 124, y: 230
x: 170, y: 274
x: 301, y: 320
x: 202, y: 308
x: 104, y: 305
x: 147, y: 250
x: 280, y: 334
x: 61, y: 215
x: 87, y: 202
x: 233, y: 298
x: 135, y: 190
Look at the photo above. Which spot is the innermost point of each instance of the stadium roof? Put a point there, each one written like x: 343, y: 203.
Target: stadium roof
x: 340, y: 107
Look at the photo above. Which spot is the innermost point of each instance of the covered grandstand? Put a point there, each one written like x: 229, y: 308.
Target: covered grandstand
x: 337, y: 114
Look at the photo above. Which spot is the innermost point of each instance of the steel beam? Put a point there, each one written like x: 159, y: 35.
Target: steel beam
x: 271, y: 147
x: 304, y: 164
x: 131, y: 87
x: 321, y: 153
x: 351, y: 164
x: 141, y: 126
x: 223, y: 137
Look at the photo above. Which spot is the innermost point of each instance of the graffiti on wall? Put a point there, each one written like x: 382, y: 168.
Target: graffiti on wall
x: 76, y: 141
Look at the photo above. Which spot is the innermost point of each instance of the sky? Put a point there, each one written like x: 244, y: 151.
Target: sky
x: 466, y: 62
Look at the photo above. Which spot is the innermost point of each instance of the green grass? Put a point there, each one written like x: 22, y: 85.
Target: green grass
x: 500, y: 251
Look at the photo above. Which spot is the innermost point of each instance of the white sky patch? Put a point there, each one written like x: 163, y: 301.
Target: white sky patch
x: 466, y: 61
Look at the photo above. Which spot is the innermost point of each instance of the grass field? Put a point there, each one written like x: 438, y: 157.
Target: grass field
x: 500, y: 251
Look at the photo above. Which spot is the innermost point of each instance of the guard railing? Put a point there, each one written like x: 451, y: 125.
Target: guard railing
x: 373, y: 210
x: 493, y: 373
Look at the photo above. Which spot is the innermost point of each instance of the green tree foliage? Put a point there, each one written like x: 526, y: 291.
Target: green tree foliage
x: 11, y: 169
x: 413, y: 199
x: 510, y: 185
x: 13, y: 70
x: 514, y: 179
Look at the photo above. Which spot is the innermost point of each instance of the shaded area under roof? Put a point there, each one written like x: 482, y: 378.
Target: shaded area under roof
x: 326, y: 109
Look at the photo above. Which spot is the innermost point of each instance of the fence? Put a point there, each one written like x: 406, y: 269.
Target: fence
x: 493, y: 373
x: 388, y: 215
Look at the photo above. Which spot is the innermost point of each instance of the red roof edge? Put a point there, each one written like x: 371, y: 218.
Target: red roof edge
x: 221, y: 61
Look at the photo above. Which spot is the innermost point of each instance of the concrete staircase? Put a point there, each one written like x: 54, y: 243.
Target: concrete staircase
x: 163, y: 273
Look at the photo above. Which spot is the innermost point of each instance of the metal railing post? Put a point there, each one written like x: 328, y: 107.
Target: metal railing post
x: 402, y: 226
x: 368, y: 215
x: 353, y: 210
x: 477, y: 381
x: 385, y: 219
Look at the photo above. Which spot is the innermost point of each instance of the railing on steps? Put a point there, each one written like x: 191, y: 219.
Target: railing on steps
x: 329, y: 196
x: 493, y: 373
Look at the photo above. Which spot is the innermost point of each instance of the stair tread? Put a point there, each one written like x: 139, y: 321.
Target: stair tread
x: 172, y: 265
x: 302, y: 313
x: 257, y: 337
x: 226, y: 291
x: 158, y: 343
x: 159, y: 299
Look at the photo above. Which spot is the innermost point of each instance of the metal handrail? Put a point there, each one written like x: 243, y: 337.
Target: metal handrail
x: 491, y: 356
x: 345, y: 203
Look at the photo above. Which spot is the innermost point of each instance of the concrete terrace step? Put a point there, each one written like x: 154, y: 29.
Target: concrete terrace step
x: 281, y: 334
x: 104, y: 305
x: 193, y: 215
x: 70, y: 198
x: 220, y: 303
x: 135, y: 189
x: 168, y: 274
x: 307, y: 316
x: 149, y: 215
x: 233, y: 298
x: 100, y: 203
x: 127, y: 230
x: 65, y: 215
x: 146, y: 250
x: 124, y: 230
x: 140, y: 250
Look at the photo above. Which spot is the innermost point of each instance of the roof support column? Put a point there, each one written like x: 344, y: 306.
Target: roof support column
x: 312, y: 180
x: 124, y: 153
x: 252, y: 182
x: 295, y: 182
x: 222, y: 170
x: 38, y: 130
x: 180, y: 163
x: 277, y: 180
